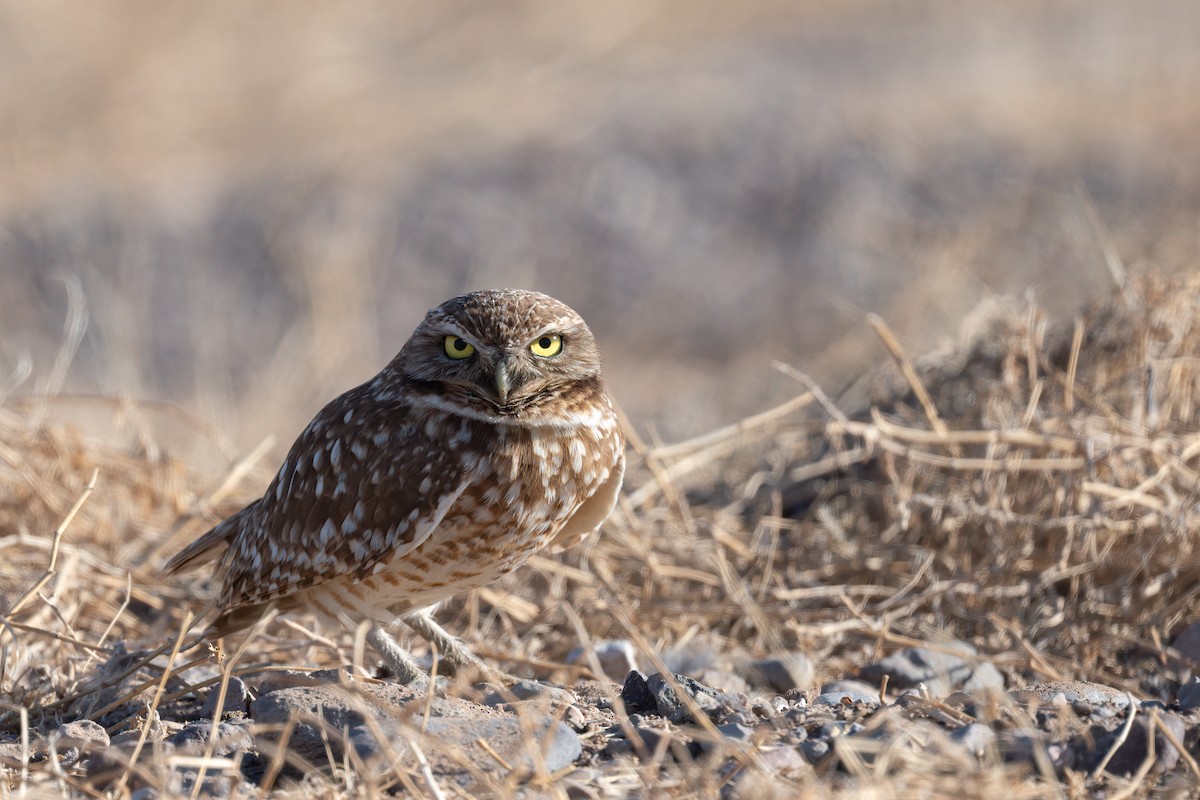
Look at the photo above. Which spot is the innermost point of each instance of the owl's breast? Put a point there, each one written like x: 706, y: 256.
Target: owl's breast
x: 522, y: 487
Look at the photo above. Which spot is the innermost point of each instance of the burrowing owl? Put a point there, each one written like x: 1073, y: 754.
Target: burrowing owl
x: 487, y: 438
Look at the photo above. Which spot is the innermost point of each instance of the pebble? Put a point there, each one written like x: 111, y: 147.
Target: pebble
x: 736, y: 731
x: 340, y: 708
x: 783, y: 759
x: 636, y: 695
x: 1070, y: 692
x: 977, y: 738
x: 526, y: 690
x: 232, y: 737
x: 851, y: 685
x: 617, y: 657
x: 82, y: 734
x: 237, y: 699
x: 1189, y: 694
x: 846, y: 698
x: 668, y: 703
x: 450, y: 741
x: 953, y: 666
x: 1021, y: 745
x: 1187, y: 642
x: 575, y: 719
x: 653, y: 738
x: 723, y: 681
x: 815, y: 750
x: 1129, y: 757
x: 782, y: 673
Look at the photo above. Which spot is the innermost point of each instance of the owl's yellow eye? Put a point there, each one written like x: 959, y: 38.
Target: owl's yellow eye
x: 546, y: 346
x: 458, y: 348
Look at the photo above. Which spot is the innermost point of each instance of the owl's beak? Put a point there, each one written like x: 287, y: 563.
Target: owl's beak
x: 502, y: 382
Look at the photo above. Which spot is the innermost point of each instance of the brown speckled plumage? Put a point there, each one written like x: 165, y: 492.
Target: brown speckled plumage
x: 430, y: 478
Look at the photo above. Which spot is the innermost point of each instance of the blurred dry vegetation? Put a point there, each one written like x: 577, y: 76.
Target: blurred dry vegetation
x: 216, y: 216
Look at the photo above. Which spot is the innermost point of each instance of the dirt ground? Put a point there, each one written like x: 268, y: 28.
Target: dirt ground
x: 973, y: 571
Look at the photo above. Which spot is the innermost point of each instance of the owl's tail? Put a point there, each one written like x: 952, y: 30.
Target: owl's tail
x: 210, y: 546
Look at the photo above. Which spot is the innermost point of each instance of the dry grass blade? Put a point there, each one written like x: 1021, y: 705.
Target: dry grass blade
x: 910, y: 374
x: 51, y: 569
x: 1098, y: 770
x: 153, y: 706
x: 667, y: 452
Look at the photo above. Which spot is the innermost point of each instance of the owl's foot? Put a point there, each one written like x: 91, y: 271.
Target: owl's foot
x: 457, y: 658
x: 396, y: 658
x: 452, y: 653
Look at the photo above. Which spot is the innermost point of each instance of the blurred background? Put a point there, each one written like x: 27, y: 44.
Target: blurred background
x: 244, y: 209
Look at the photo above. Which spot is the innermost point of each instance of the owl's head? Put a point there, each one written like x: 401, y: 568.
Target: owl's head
x: 501, y: 354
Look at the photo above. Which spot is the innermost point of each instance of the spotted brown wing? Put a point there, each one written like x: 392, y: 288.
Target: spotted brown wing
x: 363, y: 482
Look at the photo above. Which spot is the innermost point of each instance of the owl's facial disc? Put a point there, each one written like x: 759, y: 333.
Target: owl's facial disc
x: 502, y: 355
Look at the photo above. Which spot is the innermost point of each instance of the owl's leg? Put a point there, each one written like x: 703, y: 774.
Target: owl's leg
x: 456, y: 655
x: 395, y: 657
x: 450, y: 649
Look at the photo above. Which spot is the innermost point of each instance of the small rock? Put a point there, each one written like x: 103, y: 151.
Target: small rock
x: 582, y: 784
x: 1021, y: 745
x: 636, y: 695
x: 977, y: 738
x: 724, y: 681
x: 846, y: 698
x: 1133, y: 751
x: 112, y: 763
x: 962, y: 700
x: 783, y: 759
x: 527, y: 690
x: 984, y: 676
x: 575, y: 719
x: 851, y: 685
x: 836, y: 727
x: 237, y: 698
x: 797, y: 735
x: 215, y: 785
x: 768, y: 707
x: 12, y: 753
x: 736, y: 731
x: 669, y: 705
x: 653, y: 738
x: 915, y: 696
x: 951, y: 666
x: 275, y: 680
x: 342, y: 708
x: 1070, y: 692
x: 691, y: 658
x: 1189, y: 694
x: 231, y: 737
x: 1187, y: 642
x: 617, y: 657
x: 617, y: 746
x: 782, y: 673
x: 814, y: 750
x: 449, y: 739
x: 756, y: 784
x: 83, y: 734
